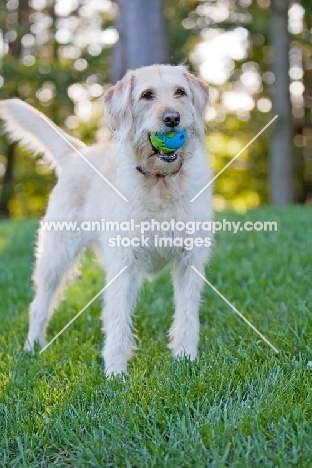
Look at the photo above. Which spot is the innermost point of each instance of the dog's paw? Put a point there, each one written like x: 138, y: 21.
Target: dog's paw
x: 115, y: 360
x: 29, y: 346
x: 183, y: 352
x: 32, y: 343
x: 116, y: 369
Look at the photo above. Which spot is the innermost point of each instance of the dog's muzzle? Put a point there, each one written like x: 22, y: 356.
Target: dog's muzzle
x: 160, y: 164
x: 169, y: 157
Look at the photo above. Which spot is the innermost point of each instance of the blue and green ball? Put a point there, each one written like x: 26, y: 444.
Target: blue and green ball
x: 168, y: 142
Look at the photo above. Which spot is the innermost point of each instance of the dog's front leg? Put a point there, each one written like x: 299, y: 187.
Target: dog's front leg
x: 119, y: 301
x: 184, y: 332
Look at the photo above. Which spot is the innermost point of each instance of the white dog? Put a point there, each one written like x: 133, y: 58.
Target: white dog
x: 158, y: 98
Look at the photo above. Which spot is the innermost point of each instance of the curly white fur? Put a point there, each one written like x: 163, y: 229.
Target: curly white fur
x: 81, y: 194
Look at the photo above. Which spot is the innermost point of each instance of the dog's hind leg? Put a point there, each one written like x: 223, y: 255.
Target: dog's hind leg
x: 56, y: 253
x: 184, y: 332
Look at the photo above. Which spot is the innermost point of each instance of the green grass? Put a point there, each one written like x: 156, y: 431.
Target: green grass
x: 238, y: 405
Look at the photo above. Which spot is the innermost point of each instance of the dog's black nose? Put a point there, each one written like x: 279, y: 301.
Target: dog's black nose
x: 171, y: 118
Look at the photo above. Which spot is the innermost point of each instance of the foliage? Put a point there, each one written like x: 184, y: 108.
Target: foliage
x: 59, y: 61
x: 238, y: 405
x: 45, y: 74
x: 249, y: 76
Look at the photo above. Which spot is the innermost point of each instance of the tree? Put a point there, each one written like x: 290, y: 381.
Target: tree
x: 142, y: 36
x: 281, y: 154
x: 63, y: 67
x: 8, y: 178
x: 46, y: 49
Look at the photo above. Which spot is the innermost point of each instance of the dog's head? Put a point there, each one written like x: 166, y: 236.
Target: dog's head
x: 158, y: 98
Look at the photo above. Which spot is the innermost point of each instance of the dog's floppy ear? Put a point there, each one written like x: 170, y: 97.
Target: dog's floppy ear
x: 200, y: 92
x: 118, y: 106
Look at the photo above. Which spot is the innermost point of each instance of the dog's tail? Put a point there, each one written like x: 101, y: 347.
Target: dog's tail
x: 34, y: 130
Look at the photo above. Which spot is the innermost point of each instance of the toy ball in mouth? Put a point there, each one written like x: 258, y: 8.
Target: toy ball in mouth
x: 168, y: 142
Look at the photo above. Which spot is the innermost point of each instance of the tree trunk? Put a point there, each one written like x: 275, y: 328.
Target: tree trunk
x: 307, y: 129
x: 15, y: 50
x: 8, y: 182
x: 281, y: 151
x: 142, y: 36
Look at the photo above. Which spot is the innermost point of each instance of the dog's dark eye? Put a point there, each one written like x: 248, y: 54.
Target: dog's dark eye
x: 147, y: 95
x: 180, y: 92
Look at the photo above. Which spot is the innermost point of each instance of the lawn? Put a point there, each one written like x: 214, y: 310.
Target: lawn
x: 238, y: 405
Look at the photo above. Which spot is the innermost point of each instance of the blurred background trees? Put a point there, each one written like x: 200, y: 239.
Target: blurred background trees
x: 142, y: 36
x: 61, y: 56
